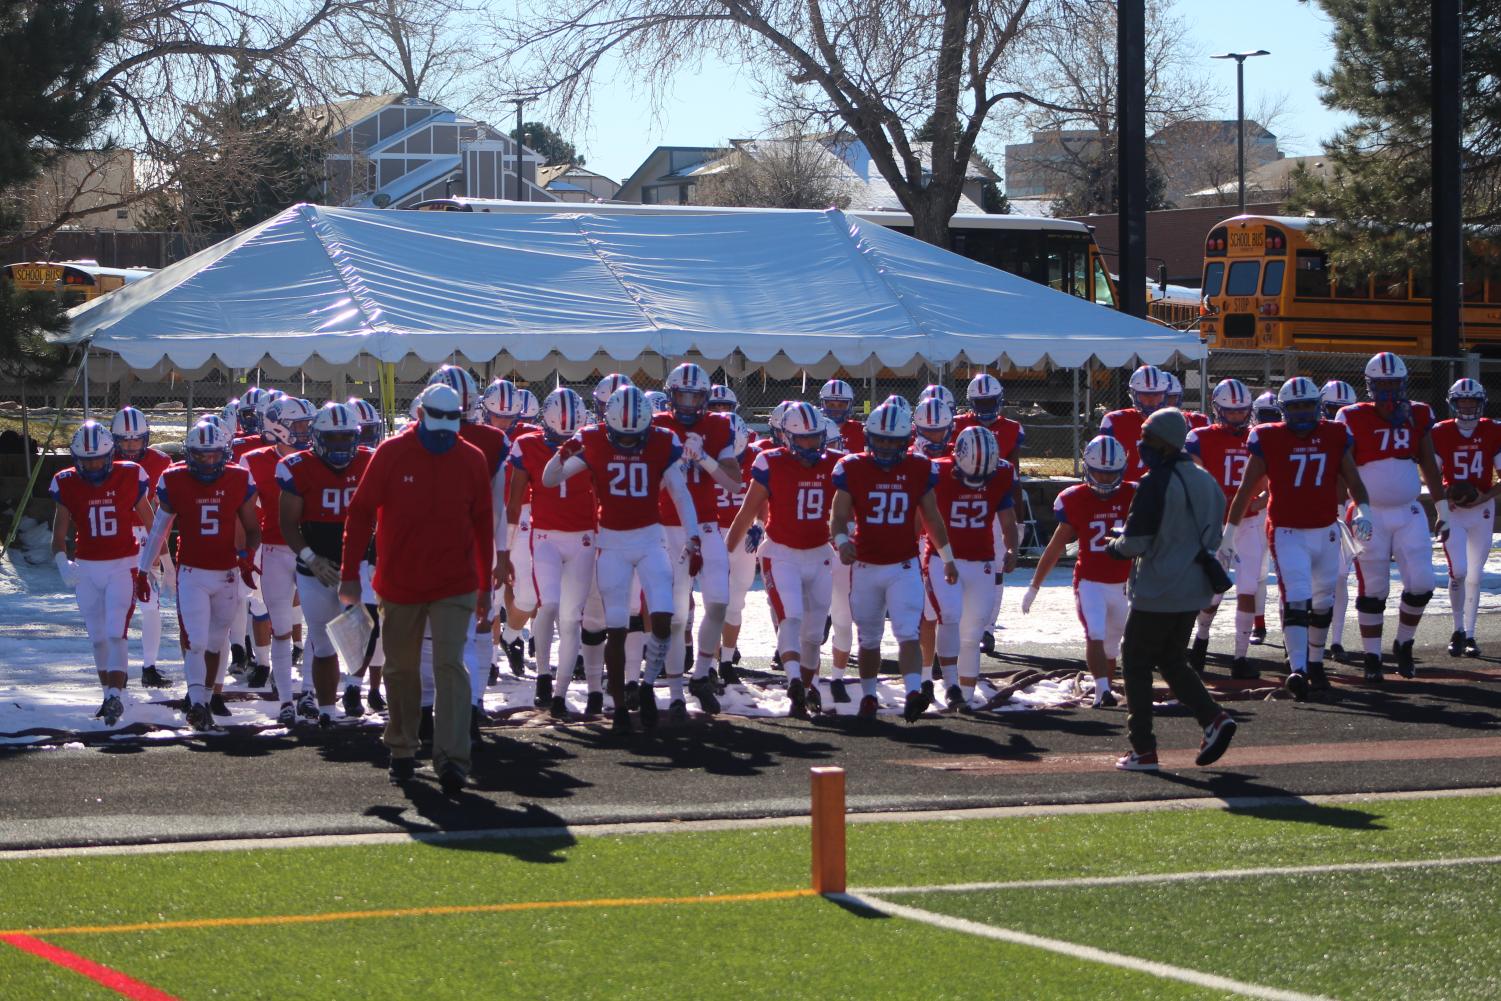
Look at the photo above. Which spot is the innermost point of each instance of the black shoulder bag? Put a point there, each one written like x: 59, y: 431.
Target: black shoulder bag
x: 1219, y: 577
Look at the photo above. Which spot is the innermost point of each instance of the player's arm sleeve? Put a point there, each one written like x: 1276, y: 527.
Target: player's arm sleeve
x: 54, y: 491
x: 359, y: 526
x: 163, y: 501
x: 761, y: 472
x: 1106, y: 426
x: 160, y: 526
x: 840, y: 477
x: 1060, y: 512
x: 556, y: 472
x: 143, y: 484
x: 1253, y: 443
x: 285, y: 479
x: 676, y: 485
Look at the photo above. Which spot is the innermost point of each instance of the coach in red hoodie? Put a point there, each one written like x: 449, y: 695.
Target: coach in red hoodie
x: 426, y: 495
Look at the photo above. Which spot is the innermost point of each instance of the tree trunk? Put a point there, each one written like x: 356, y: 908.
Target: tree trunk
x: 930, y: 222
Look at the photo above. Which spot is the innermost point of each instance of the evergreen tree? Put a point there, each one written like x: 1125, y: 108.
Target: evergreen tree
x: 552, y: 146
x: 1089, y: 183
x: 1379, y: 195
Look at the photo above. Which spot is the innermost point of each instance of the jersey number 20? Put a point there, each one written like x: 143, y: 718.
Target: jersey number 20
x: 627, y: 479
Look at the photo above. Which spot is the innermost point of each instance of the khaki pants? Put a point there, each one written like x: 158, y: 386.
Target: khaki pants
x: 401, y: 632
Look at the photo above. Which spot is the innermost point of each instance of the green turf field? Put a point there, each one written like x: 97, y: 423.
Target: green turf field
x: 567, y: 918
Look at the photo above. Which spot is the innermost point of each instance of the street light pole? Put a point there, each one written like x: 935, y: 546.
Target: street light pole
x: 519, y: 195
x: 1240, y: 117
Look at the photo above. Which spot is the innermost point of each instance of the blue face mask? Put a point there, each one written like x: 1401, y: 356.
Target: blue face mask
x: 436, y: 442
x: 1152, y: 456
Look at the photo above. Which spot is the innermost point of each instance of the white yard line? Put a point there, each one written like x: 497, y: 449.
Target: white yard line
x: 1185, y: 877
x: 1075, y: 951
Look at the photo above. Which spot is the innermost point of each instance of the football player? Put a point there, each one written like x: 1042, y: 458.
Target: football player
x: 743, y: 557
x: 372, y: 431
x: 315, y: 488
x: 935, y: 391
x: 709, y: 465
x: 1174, y: 398
x: 722, y: 400
x: 973, y: 491
x: 288, y: 426
x: 132, y: 436
x: 211, y: 501
x: 1393, y: 445
x: 503, y: 407
x: 102, y: 500
x: 1301, y: 462
x: 1148, y: 388
x: 1222, y: 450
x: 1335, y: 395
x: 790, y: 490
x: 1468, y: 447
x: 837, y: 399
x: 1092, y: 513
x: 882, y: 490
x: 631, y: 462
x: 562, y: 540
x: 934, y: 423
x: 986, y: 396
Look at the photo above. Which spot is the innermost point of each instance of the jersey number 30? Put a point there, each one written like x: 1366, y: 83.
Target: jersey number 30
x: 888, y: 507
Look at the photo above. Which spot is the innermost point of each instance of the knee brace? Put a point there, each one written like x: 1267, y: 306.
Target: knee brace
x: 592, y: 637
x: 1416, y: 600
x: 637, y: 624
x: 1371, y: 604
x: 1321, y: 619
x: 1296, y: 613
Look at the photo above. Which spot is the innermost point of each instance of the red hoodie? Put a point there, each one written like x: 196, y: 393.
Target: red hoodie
x: 432, y: 517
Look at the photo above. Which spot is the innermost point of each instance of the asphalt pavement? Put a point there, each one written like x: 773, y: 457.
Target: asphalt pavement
x: 1440, y: 731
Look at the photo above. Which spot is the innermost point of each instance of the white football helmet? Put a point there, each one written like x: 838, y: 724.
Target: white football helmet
x: 1299, y: 400
x: 1148, y: 388
x: 1173, y: 395
x: 628, y: 419
x: 888, y: 429
x: 977, y: 455
x: 93, y: 451
x: 985, y: 395
x: 563, y: 415
x: 1386, y: 384
x: 803, y: 431
x: 1104, y: 464
x: 1266, y: 409
x: 774, y: 420
x: 1336, y: 395
x: 251, y: 409
x: 206, y: 451
x: 934, y: 421
x: 1231, y: 401
x: 1467, y: 404
x: 605, y: 388
x: 659, y: 401
x: 942, y: 392
x: 231, y: 415
x: 372, y: 428
x: 336, y: 434
x: 290, y: 422
x: 742, y: 434
x: 530, y: 405
x: 131, y: 433
x: 460, y: 381
x: 837, y: 398
x: 687, y: 388
x: 501, y: 402
x: 722, y: 399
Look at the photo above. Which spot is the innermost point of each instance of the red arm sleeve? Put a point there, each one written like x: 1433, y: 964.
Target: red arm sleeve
x: 360, y: 523
x: 482, y: 515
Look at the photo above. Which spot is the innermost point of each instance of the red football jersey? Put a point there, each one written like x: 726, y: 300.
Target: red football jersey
x: 1375, y: 437
x: 1301, y: 473
x: 207, y: 513
x: 155, y: 462
x: 718, y: 438
x: 262, y: 463
x: 626, y: 484
x: 1125, y: 427
x: 727, y: 504
x: 1472, y: 458
x: 885, y: 504
x: 326, y: 493
x: 103, y: 513
x: 1009, y: 434
x: 238, y: 447
x: 1223, y: 451
x: 567, y: 507
x: 968, y: 512
x: 491, y: 441
x: 1196, y: 419
x: 1094, y: 520
x: 797, y: 514
x: 851, y: 436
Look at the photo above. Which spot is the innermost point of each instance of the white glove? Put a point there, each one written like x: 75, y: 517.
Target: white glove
x: 1362, y: 527
x: 66, y: 569
x: 693, y: 446
x: 1441, y: 520
x: 1226, y: 552
x: 1027, y: 600
x: 324, y: 571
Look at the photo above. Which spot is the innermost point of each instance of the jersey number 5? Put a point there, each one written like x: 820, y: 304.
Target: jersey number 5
x: 208, y: 519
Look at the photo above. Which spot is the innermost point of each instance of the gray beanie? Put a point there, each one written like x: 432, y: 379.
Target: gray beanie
x: 1169, y: 426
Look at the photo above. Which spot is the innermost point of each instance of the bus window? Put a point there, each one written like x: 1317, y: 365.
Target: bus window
x: 1348, y: 286
x: 1391, y: 287
x: 1242, y: 279
x: 1079, y: 268
x: 1103, y: 296
x: 1474, y: 280
x: 1271, y: 278
x: 1214, y: 273
x: 1313, y: 274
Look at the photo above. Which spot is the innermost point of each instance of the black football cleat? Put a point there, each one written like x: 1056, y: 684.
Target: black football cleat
x: 935, y: 671
x: 578, y: 668
x: 677, y: 713
x: 325, y: 721
x: 648, y: 710
x: 954, y: 699
x: 735, y: 657
x: 1241, y: 669
x: 729, y: 674
x: 1318, y: 678
x: 1106, y: 699
x: 543, y: 694
x: 558, y: 708
x: 987, y: 642
x: 870, y: 706
x: 287, y: 717
x: 927, y: 690
x: 840, y: 691
x: 1340, y: 655
x: 452, y: 781
x: 703, y: 690
x: 258, y: 676
x: 1297, y: 685
x: 1405, y: 666
x: 1457, y: 643
x: 237, y: 658
x: 402, y: 770
x: 494, y: 678
x: 917, y: 704
x: 111, y: 710
x: 1374, y: 675
x: 153, y: 678
x: 621, y: 721
x: 1198, y: 654
x: 813, y: 698
x: 797, y: 697
x: 217, y: 706
x: 352, y: 704
x: 296, y: 655
x: 476, y: 715
x: 515, y: 657
x: 425, y: 725
x: 307, y: 705
x: 594, y: 705
x: 199, y: 718
x: 1471, y: 650
x: 376, y: 700
x: 1258, y: 634
x: 632, y: 695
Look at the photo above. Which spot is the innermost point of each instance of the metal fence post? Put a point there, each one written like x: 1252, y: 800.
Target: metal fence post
x: 1074, y: 419
x: 84, y: 378
x: 1204, y: 384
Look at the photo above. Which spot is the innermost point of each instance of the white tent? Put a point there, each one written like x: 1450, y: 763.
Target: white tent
x: 330, y: 289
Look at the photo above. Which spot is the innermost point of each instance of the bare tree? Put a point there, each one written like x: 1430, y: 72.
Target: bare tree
x: 431, y: 49
x: 877, y: 68
x: 787, y: 172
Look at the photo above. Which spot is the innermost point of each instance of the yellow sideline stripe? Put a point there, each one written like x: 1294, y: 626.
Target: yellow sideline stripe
x: 252, y: 921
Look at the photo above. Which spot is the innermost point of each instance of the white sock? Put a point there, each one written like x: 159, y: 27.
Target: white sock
x: 327, y: 710
x: 867, y: 686
x: 656, y: 657
x: 281, y: 665
x: 594, y: 666
x: 675, y: 686
x: 726, y: 654
x: 1243, y: 623
x: 262, y: 653
x: 950, y: 675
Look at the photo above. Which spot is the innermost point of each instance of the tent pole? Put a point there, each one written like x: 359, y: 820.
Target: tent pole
x: 1074, y: 419
x: 188, y: 416
x: 85, y: 377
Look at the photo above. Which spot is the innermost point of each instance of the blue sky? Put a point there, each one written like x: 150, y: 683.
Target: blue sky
x: 715, y: 103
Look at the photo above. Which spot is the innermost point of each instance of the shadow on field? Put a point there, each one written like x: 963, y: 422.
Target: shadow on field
x: 472, y: 812
x: 1237, y: 786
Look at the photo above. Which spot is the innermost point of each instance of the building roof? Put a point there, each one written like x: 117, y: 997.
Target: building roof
x: 1271, y: 177
x: 340, y: 115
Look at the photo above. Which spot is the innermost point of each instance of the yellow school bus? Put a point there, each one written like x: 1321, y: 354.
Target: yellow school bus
x: 1268, y: 286
x: 76, y: 281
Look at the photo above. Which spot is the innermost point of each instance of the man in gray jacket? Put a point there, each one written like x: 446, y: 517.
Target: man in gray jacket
x: 1177, y: 516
